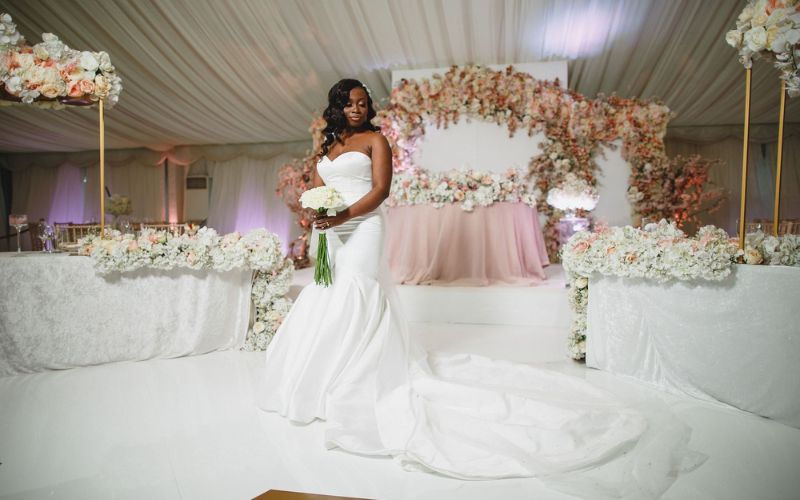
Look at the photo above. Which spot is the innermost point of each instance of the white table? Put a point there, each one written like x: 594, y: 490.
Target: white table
x: 56, y: 312
x: 736, y: 342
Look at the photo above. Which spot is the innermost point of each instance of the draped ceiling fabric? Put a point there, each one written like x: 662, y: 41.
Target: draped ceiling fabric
x: 253, y: 71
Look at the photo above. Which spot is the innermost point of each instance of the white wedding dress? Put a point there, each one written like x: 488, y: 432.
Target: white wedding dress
x: 343, y: 355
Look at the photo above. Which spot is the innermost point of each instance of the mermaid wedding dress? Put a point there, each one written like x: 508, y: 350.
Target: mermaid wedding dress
x: 343, y: 354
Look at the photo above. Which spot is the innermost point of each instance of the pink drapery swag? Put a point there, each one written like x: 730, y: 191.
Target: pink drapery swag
x: 575, y: 126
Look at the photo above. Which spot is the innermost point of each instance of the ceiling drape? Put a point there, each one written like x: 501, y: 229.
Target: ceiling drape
x: 254, y: 71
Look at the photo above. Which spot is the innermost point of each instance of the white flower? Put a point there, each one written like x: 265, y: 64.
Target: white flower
x: 756, y: 39
x: 88, y: 62
x: 734, y: 38
x: 259, y: 327
x: 323, y: 197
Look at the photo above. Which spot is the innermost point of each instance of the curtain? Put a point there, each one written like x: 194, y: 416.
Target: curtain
x: 65, y: 187
x: 243, y: 197
x: 256, y: 70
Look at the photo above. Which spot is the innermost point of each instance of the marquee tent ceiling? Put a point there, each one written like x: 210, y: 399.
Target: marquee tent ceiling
x: 243, y: 71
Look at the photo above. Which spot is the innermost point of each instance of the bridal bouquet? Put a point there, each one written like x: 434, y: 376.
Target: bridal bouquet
x: 323, y: 199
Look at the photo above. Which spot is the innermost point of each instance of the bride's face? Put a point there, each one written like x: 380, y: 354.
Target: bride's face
x: 356, y: 108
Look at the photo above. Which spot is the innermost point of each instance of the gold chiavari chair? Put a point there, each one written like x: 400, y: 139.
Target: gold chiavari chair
x: 71, y: 233
x: 172, y: 227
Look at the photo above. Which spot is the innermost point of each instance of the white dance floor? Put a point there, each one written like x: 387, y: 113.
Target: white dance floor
x: 188, y: 428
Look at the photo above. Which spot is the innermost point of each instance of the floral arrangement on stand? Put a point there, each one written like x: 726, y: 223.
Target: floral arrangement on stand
x: 573, y: 194
x: 204, y: 249
x: 574, y: 125
x: 50, y: 74
x: 770, y: 29
x: 119, y: 205
x: 467, y: 188
x: 661, y: 252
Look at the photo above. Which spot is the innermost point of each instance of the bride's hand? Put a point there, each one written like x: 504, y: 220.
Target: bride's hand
x: 322, y: 221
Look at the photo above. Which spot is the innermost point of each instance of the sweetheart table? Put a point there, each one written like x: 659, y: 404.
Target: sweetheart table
x: 56, y: 312
x: 501, y: 244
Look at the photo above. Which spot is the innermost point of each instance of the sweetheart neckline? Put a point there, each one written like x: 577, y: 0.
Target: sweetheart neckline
x: 342, y: 154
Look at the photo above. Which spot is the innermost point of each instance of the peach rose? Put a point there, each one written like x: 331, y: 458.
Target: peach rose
x: 86, y: 86
x: 50, y: 90
x: 74, y: 90
x: 458, y: 195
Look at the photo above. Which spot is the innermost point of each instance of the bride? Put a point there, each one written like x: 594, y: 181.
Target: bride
x: 343, y: 354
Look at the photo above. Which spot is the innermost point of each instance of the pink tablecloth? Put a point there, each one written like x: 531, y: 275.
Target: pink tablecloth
x: 499, y: 244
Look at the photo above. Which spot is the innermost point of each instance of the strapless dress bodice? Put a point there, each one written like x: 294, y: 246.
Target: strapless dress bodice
x: 350, y: 173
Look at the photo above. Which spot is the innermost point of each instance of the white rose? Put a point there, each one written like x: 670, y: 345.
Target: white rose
x: 756, y: 39
x: 101, y: 86
x: 259, y: 327
x: 6, y: 18
x: 52, y: 90
x: 41, y: 52
x: 734, y: 38
x: 759, y: 14
x: 89, y: 62
x: 105, y: 62
x: 745, y: 16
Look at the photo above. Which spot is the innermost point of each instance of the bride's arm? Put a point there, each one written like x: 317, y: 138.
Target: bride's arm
x: 381, y: 184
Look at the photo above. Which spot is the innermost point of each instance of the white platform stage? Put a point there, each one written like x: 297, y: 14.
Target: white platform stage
x: 543, y: 306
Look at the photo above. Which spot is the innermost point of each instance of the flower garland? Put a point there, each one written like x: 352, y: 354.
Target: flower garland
x: 660, y: 252
x: 575, y: 128
x: 50, y: 74
x: 258, y: 250
x: 770, y: 29
x: 467, y: 188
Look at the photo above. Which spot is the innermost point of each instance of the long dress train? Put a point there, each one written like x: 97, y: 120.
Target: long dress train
x: 343, y: 354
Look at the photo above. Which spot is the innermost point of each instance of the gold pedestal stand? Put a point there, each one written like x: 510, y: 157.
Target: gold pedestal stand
x: 102, y: 170
x: 745, y: 159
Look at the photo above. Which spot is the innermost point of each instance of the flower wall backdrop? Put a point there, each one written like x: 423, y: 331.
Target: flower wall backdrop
x: 575, y: 127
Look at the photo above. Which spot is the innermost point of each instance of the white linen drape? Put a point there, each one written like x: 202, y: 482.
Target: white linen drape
x: 243, y: 197
x: 255, y: 70
x: 70, y: 193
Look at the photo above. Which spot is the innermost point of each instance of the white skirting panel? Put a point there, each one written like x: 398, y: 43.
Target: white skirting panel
x: 60, y: 314
x: 736, y: 342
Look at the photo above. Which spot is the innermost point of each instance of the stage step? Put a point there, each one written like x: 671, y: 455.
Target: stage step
x: 545, y: 305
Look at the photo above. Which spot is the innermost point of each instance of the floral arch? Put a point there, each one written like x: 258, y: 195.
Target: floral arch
x: 575, y: 127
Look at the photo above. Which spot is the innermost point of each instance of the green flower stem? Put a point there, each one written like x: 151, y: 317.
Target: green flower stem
x: 322, y: 268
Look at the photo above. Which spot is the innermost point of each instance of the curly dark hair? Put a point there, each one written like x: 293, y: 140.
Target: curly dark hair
x: 338, y: 96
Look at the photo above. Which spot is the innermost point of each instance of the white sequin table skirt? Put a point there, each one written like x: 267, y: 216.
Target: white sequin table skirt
x: 736, y: 341
x: 56, y: 313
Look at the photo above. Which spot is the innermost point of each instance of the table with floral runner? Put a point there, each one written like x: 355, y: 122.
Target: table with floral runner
x: 681, y: 313
x: 132, y: 298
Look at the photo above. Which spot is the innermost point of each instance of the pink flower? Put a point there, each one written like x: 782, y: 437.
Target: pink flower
x: 458, y: 195
x: 86, y: 86
x: 581, y: 246
x: 74, y: 90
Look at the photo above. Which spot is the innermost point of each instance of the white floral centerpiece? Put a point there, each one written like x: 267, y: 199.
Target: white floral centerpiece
x: 258, y: 250
x: 770, y: 29
x: 119, y: 205
x: 324, y: 200
x: 50, y: 74
x: 468, y: 188
x: 573, y: 194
